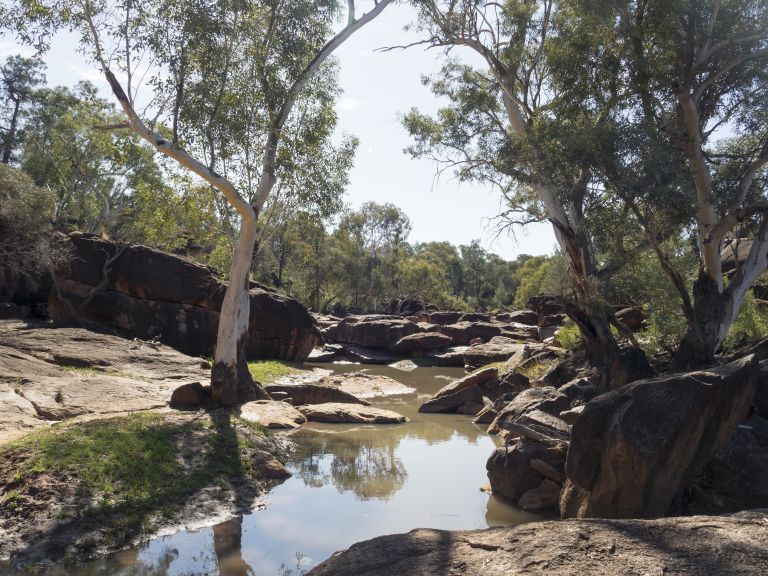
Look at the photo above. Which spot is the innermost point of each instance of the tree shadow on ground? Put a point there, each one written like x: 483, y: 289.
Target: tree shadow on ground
x: 108, y: 483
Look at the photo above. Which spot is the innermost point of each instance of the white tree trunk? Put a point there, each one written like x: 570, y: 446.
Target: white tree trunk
x: 230, y: 372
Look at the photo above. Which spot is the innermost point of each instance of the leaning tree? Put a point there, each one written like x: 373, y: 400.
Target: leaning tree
x: 232, y: 91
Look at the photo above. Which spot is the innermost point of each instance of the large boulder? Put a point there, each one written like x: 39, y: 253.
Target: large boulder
x: 373, y: 331
x: 545, y: 399
x: 147, y: 294
x: 761, y: 394
x: 466, y: 395
x: 272, y: 414
x: 445, y: 317
x: 634, y: 450
x: 363, y: 385
x: 509, y: 467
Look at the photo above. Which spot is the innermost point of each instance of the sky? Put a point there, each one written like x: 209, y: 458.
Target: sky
x: 378, y: 86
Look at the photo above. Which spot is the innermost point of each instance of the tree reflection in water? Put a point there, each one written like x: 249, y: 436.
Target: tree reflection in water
x: 361, y: 461
x: 227, y: 543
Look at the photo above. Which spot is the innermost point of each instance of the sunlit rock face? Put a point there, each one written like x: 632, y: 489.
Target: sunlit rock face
x: 148, y: 294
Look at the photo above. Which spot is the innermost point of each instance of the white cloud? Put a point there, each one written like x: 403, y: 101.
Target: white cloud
x: 347, y: 104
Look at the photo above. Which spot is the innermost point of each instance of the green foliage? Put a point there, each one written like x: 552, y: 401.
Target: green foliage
x: 26, y: 210
x: 568, y: 335
x: 93, y: 172
x: 538, y: 275
x: 19, y: 77
x: 750, y: 324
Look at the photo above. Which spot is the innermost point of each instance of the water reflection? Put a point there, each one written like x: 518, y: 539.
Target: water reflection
x: 358, y: 461
x: 227, y: 544
x: 349, y: 483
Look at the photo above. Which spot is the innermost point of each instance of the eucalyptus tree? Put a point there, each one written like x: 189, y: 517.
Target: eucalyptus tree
x: 692, y: 131
x: 91, y: 171
x: 223, y: 83
x: 502, y: 128
x: 19, y: 78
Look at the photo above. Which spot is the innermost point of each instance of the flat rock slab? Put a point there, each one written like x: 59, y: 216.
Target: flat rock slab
x: 49, y: 373
x: 364, y: 385
x: 337, y: 413
x: 683, y: 546
x: 314, y: 393
x: 272, y: 414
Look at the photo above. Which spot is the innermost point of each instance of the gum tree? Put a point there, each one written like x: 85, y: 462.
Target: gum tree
x: 502, y: 127
x: 231, y: 91
x: 691, y: 140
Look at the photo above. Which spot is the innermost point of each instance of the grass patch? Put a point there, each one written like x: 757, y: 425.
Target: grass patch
x: 82, y: 370
x: 131, y: 470
x: 536, y: 369
x: 267, y: 371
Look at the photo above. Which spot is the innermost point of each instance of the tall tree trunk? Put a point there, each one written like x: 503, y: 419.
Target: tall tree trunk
x: 231, y: 381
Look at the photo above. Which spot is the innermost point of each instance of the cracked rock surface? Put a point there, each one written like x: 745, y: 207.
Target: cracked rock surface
x: 49, y: 373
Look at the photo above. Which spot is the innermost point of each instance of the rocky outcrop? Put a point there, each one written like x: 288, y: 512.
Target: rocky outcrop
x: 466, y: 395
x: 462, y: 333
x: 736, y: 478
x: 145, y: 293
x: 444, y: 317
x: 373, y: 331
x: 545, y: 399
x: 634, y: 450
x: 499, y: 349
x: 363, y: 385
x: 350, y: 414
x: 693, y: 546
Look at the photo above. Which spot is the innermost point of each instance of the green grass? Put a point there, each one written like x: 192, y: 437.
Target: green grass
x: 537, y: 369
x: 131, y: 468
x: 267, y: 371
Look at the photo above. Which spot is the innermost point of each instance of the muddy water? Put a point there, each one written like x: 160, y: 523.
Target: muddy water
x: 349, y: 483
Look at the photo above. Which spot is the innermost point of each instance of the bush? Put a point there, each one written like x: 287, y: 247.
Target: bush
x: 750, y: 324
